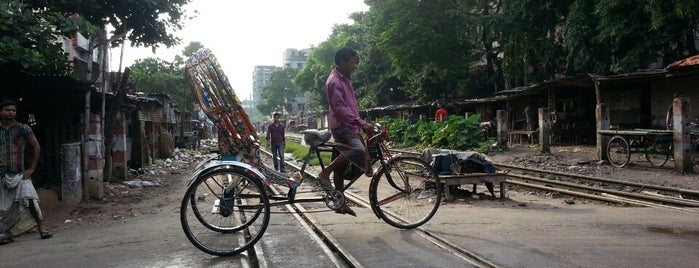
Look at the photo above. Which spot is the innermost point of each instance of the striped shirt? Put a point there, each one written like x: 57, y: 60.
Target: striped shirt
x: 12, y: 144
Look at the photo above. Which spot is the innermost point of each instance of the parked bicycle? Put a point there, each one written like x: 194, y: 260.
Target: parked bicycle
x: 226, y: 207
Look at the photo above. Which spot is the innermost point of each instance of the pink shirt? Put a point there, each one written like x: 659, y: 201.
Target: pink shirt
x: 342, y: 100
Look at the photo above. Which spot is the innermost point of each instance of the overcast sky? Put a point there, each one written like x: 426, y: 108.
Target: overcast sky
x: 245, y: 33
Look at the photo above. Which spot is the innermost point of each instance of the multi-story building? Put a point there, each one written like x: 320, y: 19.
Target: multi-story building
x: 260, y: 78
x: 296, y: 59
x: 292, y: 58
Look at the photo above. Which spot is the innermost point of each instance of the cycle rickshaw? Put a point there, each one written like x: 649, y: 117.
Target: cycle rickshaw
x: 226, y: 207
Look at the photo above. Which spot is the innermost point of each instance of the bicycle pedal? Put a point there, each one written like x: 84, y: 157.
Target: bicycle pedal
x: 216, y: 208
x: 291, y: 194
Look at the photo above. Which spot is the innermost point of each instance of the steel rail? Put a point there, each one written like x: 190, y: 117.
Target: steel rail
x: 469, y: 257
x: 330, y: 245
x: 689, y: 203
x: 599, y: 179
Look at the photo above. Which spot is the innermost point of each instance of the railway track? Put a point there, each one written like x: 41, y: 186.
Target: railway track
x: 602, y: 189
x: 346, y: 259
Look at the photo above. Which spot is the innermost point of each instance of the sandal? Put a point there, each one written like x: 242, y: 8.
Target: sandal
x: 45, y: 234
x: 325, y: 182
x: 6, y: 240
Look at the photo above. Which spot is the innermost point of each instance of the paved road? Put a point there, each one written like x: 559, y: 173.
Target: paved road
x: 528, y: 232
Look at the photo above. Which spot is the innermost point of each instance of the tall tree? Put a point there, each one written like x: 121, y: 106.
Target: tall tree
x: 30, y: 28
x: 624, y: 35
x: 154, y: 75
x: 29, y: 38
x: 144, y: 23
x: 424, y: 44
x: 316, y: 70
x: 532, y: 40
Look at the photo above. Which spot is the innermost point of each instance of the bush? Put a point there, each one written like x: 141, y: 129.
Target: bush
x: 456, y: 133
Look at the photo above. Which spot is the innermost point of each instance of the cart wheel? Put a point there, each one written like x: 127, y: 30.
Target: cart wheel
x: 618, y: 151
x: 658, y: 152
x: 224, y: 212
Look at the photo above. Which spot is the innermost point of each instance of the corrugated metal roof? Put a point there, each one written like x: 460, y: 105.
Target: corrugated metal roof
x: 581, y: 80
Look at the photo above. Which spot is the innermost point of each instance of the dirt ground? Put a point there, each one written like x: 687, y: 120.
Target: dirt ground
x: 123, y: 202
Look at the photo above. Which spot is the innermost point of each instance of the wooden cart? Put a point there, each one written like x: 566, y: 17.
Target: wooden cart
x: 654, y: 144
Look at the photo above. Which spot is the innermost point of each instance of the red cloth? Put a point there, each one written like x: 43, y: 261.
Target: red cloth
x: 440, y: 115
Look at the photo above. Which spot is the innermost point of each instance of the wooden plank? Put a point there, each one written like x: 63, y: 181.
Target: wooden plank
x: 461, y: 180
x: 526, y: 132
x: 635, y: 132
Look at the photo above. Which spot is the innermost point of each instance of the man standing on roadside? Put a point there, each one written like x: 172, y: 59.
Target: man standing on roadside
x: 276, y: 139
x: 530, y: 116
x: 16, y: 189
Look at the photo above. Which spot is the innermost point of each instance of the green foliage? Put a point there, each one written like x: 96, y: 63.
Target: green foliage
x: 154, y: 75
x: 30, y: 30
x: 28, y: 39
x: 424, y: 43
x: 299, y: 152
x: 417, y: 51
x: 143, y: 23
x: 318, y: 66
x: 622, y: 36
x: 280, y: 92
x: 456, y: 133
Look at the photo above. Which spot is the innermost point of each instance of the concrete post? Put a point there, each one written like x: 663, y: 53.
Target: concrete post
x: 120, y: 155
x: 501, y: 117
x: 545, y: 130
x: 681, y: 108
x: 71, y: 173
x: 467, y: 115
x: 602, y: 116
x: 94, y: 183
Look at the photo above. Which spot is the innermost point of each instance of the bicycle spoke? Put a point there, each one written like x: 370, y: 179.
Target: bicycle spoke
x: 405, y: 193
x: 224, y: 222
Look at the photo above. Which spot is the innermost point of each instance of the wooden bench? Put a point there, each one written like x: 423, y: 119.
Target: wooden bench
x: 518, y: 135
x: 473, y: 178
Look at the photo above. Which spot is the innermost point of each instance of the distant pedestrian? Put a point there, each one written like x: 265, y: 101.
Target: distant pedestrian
x: 17, y: 192
x: 530, y: 116
x: 412, y: 118
x: 441, y: 114
x: 276, y: 139
x: 668, y: 115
